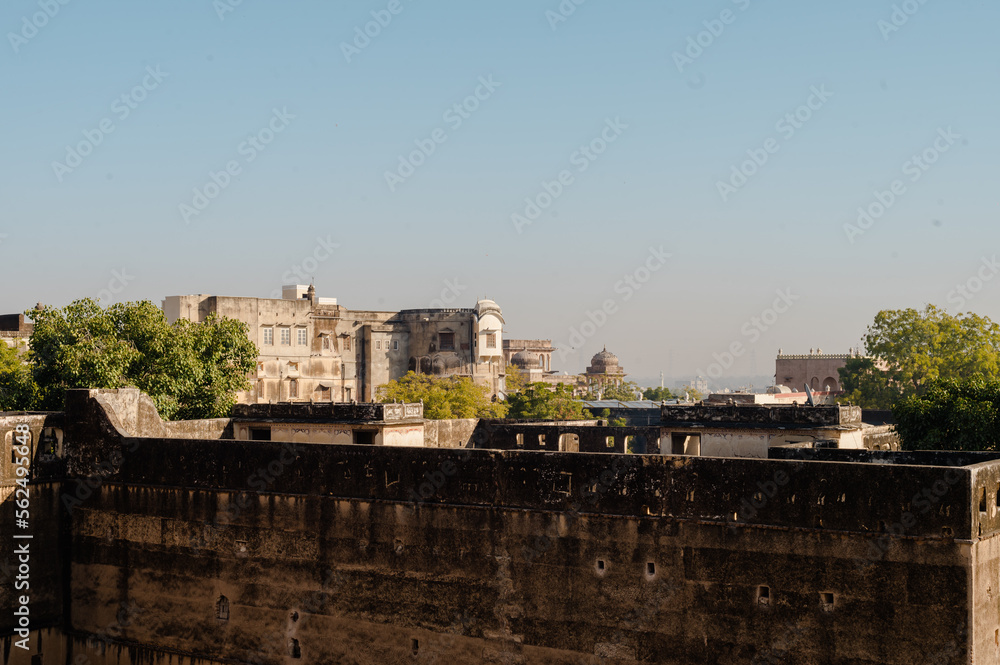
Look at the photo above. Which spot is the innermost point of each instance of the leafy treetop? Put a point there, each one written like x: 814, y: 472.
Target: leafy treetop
x: 952, y: 414
x: 538, y: 401
x: 443, y: 397
x: 190, y: 370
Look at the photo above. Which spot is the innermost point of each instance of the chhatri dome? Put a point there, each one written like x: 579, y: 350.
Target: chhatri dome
x: 525, y: 360
x: 605, y: 363
x: 486, y: 306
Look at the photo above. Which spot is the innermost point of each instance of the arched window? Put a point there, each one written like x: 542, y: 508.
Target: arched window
x: 222, y: 608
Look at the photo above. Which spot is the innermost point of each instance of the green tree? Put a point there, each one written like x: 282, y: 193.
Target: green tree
x: 658, y: 394
x: 626, y: 391
x: 513, y: 379
x: 867, y: 385
x: 443, y: 397
x: 18, y: 391
x: 910, y: 348
x: 952, y: 414
x: 190, y: 370
x: 539, y: 401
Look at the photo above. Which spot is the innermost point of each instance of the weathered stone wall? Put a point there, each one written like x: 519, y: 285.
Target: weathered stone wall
x: 455, y: 433
x: 761, y: 415
x: 487, y: 556
x: 881, y: 437
x: 568, y: 436
x: 48, y: 562
x: 186, y: 551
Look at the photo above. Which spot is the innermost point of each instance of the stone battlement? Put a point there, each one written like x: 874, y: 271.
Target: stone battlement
x: 760, y: 415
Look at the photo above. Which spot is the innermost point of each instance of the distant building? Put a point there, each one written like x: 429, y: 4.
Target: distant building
x: 604, y: 370
x: 314, y: 350
x: 698, y: 383
x: 15, y: 330
x: 817, y: 369
x: 537, y: 352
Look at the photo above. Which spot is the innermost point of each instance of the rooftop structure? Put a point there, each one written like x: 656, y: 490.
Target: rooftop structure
x: 816, y: 369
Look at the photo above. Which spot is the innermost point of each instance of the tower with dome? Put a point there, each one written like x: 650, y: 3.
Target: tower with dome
x: 605, y: 370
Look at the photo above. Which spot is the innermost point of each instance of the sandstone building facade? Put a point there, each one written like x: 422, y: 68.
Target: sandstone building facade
x: 818, y: 370
x: 314, y: 350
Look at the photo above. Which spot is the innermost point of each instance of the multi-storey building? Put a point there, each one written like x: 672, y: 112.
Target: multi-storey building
x: 818, y: 369
x: 314, y: 350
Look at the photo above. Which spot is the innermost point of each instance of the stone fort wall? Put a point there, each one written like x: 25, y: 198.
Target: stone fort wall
x: 226, y: 551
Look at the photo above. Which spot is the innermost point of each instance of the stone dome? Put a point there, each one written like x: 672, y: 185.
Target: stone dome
x: 524, y: 360
x: 604, y: 359
x: 605, y: 363
x: 484, y: 306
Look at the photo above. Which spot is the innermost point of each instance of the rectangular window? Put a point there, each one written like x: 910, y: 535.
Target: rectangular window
x: 395, y: 347
x: 447, y: 340
x: 268, y: 336
x: 378, y: 344
x: 286, y: 336
x: 293, y: 388
x: 491, y: 340
x: 326, y: 342
x: 347, y: 394
x: 302, y: 338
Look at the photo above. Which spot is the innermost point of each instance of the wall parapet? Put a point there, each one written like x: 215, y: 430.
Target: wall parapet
x: 761, y: 415
x: 816, y: 356
x: 326, y: 411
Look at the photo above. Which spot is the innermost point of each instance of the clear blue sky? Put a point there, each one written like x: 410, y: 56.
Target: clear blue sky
x: 323, y: 175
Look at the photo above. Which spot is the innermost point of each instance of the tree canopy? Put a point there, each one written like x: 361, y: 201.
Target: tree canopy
x: 626, y: 391
x: 190, y: 370
x: 18, y: 391
x: 513, y: 379
x: 952, y: 414
x: 538, y: 401
x: 443, y: 397
x: 908, y: 349
x: 657, y: 394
